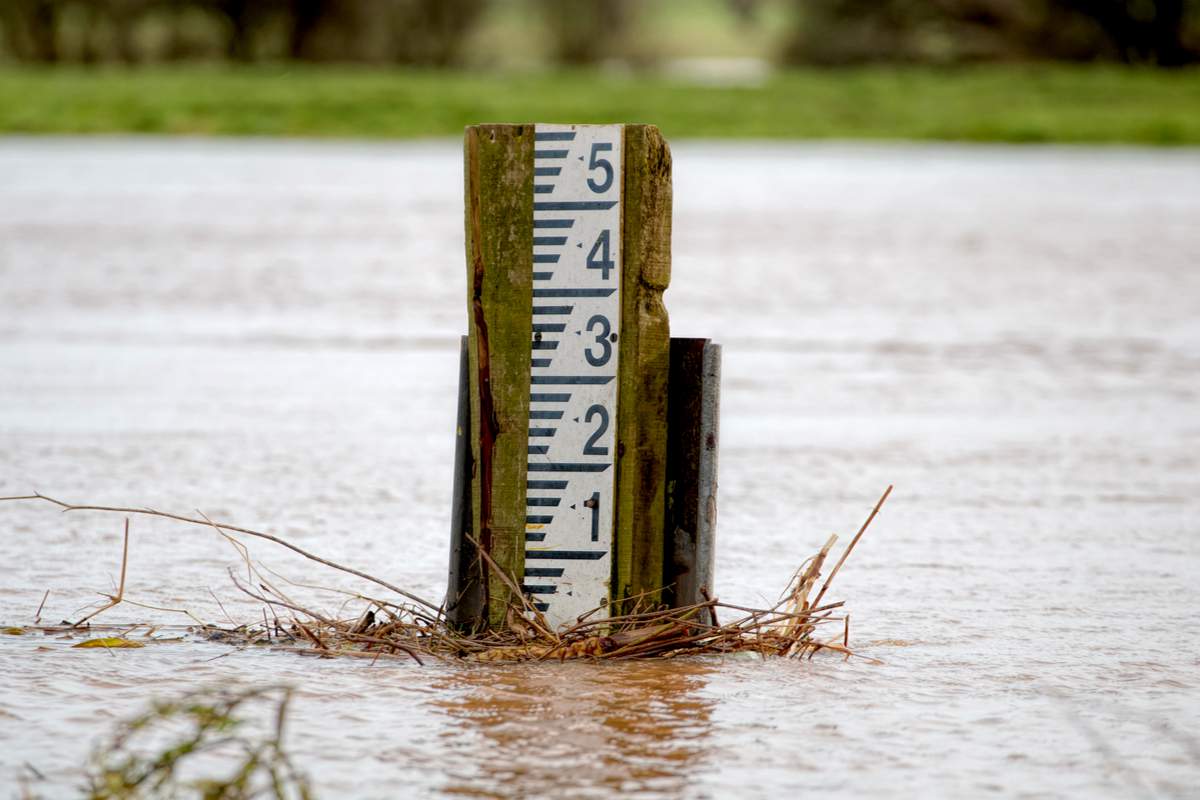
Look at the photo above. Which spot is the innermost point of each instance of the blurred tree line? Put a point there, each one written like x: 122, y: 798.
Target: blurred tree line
x: 438, y: 33
x: 428, y: 32
x: 1159, y: 32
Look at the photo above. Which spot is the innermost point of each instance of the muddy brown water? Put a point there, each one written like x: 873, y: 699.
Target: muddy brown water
x: 267, y: 331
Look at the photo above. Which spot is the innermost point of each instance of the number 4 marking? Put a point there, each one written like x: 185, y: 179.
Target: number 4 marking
x: 603, y: 247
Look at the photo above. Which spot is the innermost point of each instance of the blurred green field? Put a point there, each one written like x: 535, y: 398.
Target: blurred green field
x: 1031, y: 103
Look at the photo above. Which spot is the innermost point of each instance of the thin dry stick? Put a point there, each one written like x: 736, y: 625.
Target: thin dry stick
x: 243, y: 551
x: 37, y: 615
x: 359, y: 637
x: 853, y: 542
x: 232, y: 621
x: 713, y: 610
x: 349, y: 593
x: 627, y: 601
x: 315, y: 639
x: 114, y: 599
x: 649, y: 635
x: 303, y: 628
x: 678, y: 616
x: 281, y: 603
x: 606, y: 622
x: 259, y: 534
x: 331, y: 623
x: 537, y: 615
x: 183, y: 611
x: 374, y: 655
x: 753, y: 612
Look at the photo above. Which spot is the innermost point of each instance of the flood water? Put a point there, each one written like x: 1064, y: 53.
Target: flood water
x: 267, y: 332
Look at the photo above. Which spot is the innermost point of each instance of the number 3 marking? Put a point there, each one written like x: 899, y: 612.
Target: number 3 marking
x: 601, y: 339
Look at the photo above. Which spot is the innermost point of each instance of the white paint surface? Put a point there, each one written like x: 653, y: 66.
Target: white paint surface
x: 573, y: 385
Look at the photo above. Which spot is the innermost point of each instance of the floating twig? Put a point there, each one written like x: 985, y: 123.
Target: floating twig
x: 113, y: 599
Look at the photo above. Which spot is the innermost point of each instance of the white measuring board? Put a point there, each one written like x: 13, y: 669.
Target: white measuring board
x: 573, y: 381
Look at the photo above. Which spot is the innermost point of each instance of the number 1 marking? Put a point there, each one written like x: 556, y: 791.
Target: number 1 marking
x: 593, y: 503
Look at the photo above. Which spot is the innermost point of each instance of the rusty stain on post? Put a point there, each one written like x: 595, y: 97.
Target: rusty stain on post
x: 499, y: 241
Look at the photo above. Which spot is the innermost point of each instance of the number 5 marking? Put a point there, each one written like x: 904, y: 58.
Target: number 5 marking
x: 600, y: 163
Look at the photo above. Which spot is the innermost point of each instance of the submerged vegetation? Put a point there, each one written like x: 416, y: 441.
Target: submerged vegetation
x: 153, y: 754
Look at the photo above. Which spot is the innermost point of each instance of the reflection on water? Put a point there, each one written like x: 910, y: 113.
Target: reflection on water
x: 552, y: 728
x: 268, y: 332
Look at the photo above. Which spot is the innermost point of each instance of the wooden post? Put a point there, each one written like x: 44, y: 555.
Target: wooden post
x: 500, y: 206
x: 499, y: 238
x: 645, y: 362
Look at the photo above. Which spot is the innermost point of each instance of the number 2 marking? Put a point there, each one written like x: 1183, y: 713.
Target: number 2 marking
x: 590, y: 449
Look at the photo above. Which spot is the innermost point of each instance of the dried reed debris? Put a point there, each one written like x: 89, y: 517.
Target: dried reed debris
x: 412, y: 628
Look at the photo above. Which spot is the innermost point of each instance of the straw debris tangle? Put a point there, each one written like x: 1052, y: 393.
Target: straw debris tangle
x: 414, y: 628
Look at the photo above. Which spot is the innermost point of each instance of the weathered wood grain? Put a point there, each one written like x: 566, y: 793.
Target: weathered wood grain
x: 644, y: 365
x: 499, y: 237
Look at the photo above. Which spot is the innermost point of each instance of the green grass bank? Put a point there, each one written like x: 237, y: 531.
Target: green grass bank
x: 1103, y: 105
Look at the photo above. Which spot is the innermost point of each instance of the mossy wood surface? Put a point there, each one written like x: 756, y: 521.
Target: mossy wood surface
x: 645, y: 342
x: 499, y: 237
